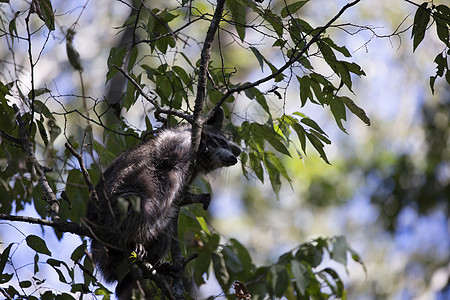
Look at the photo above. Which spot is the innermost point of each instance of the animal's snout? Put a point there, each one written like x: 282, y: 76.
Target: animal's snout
x: 231, y: 160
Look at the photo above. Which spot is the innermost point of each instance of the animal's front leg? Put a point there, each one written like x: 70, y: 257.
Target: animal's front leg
x: 190, y: 198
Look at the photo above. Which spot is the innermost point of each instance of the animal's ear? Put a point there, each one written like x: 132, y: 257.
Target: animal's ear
x: 217, y: 119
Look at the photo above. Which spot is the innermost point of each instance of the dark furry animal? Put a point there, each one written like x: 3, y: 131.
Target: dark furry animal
x: 140, y: 194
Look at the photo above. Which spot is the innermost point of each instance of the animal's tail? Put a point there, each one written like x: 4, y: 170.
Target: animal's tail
x: 124, y: 288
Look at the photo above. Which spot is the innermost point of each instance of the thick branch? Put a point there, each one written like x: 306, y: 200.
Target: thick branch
x: 289, y: 63
x: 58, y: 225
x: 197, y: 124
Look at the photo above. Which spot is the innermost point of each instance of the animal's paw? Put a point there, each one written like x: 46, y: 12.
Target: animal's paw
x: 140, y: 251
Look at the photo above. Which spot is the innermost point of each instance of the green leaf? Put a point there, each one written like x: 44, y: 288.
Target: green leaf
x: 182, y: 74
x: 238, y: 14
x: 12, y: 27
x: 36, y: 263
x: 318, y: 145
x: 340, y: 248
x: 129, y: 97
x: 255, y: 163
x: 46, y: 13
x: 276, y: 141
x: 442, y: 19
x: 338, y: 291
x: 344, y: 74
x: 39, y: 106
x: 310, y: 253
x: 53, y: 129
x: 64, y: 296
x: 202, y: 263
x: 276, y: 162
x: 132, y: 60
x: 4, y: 258
x: 442, y: 65
x: 244, y: 258
x: 79, y: 252
x: 300, y: 273
x: 292, y: 8
x: 305, y: 91
x: 37, y: 244
x: 338, y: 109
x: 271, y: 136
x: 275, y: 21
x: 355, y: 109
x: 341, y: 49
x: 278, y: 280
x: 301, y: 133
x: 25, y: 284
x: 232, y: 260
x: 354, y: 68
x: 220, y: 269
x: 254, y: 93
x: 259, y: 57
x: 321, y: 137
x: 421, y: 20
x: 5, y: 277
x: 203, y: 225
x: 432, y: 81
x: 311, y: 123
x: 77, y: 192
x: 115, y: 58
x: 42, y: 132
x: 56, y: 264
x: 274, y: 175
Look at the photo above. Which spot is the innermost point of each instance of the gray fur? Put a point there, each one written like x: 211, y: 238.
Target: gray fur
x: 152, y: 173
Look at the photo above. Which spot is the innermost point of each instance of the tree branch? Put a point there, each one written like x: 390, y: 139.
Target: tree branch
x: 203, y: 77
x: 92, y: 193
x: 197, y: 125
x: 61, y: 226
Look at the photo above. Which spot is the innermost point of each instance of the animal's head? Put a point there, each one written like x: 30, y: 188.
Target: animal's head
x: 215, y: 149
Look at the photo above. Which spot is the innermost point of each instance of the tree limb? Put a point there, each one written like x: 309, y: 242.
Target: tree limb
x: 61, y: 226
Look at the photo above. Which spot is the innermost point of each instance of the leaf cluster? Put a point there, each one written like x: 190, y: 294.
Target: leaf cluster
x: 301, y: 273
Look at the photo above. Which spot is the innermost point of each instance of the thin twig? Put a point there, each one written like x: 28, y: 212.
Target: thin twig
x: 92, y: 193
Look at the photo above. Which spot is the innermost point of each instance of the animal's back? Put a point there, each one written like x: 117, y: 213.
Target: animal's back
x: 149, y: 177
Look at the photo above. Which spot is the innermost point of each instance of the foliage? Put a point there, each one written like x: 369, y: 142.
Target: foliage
x: 174, y: 81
